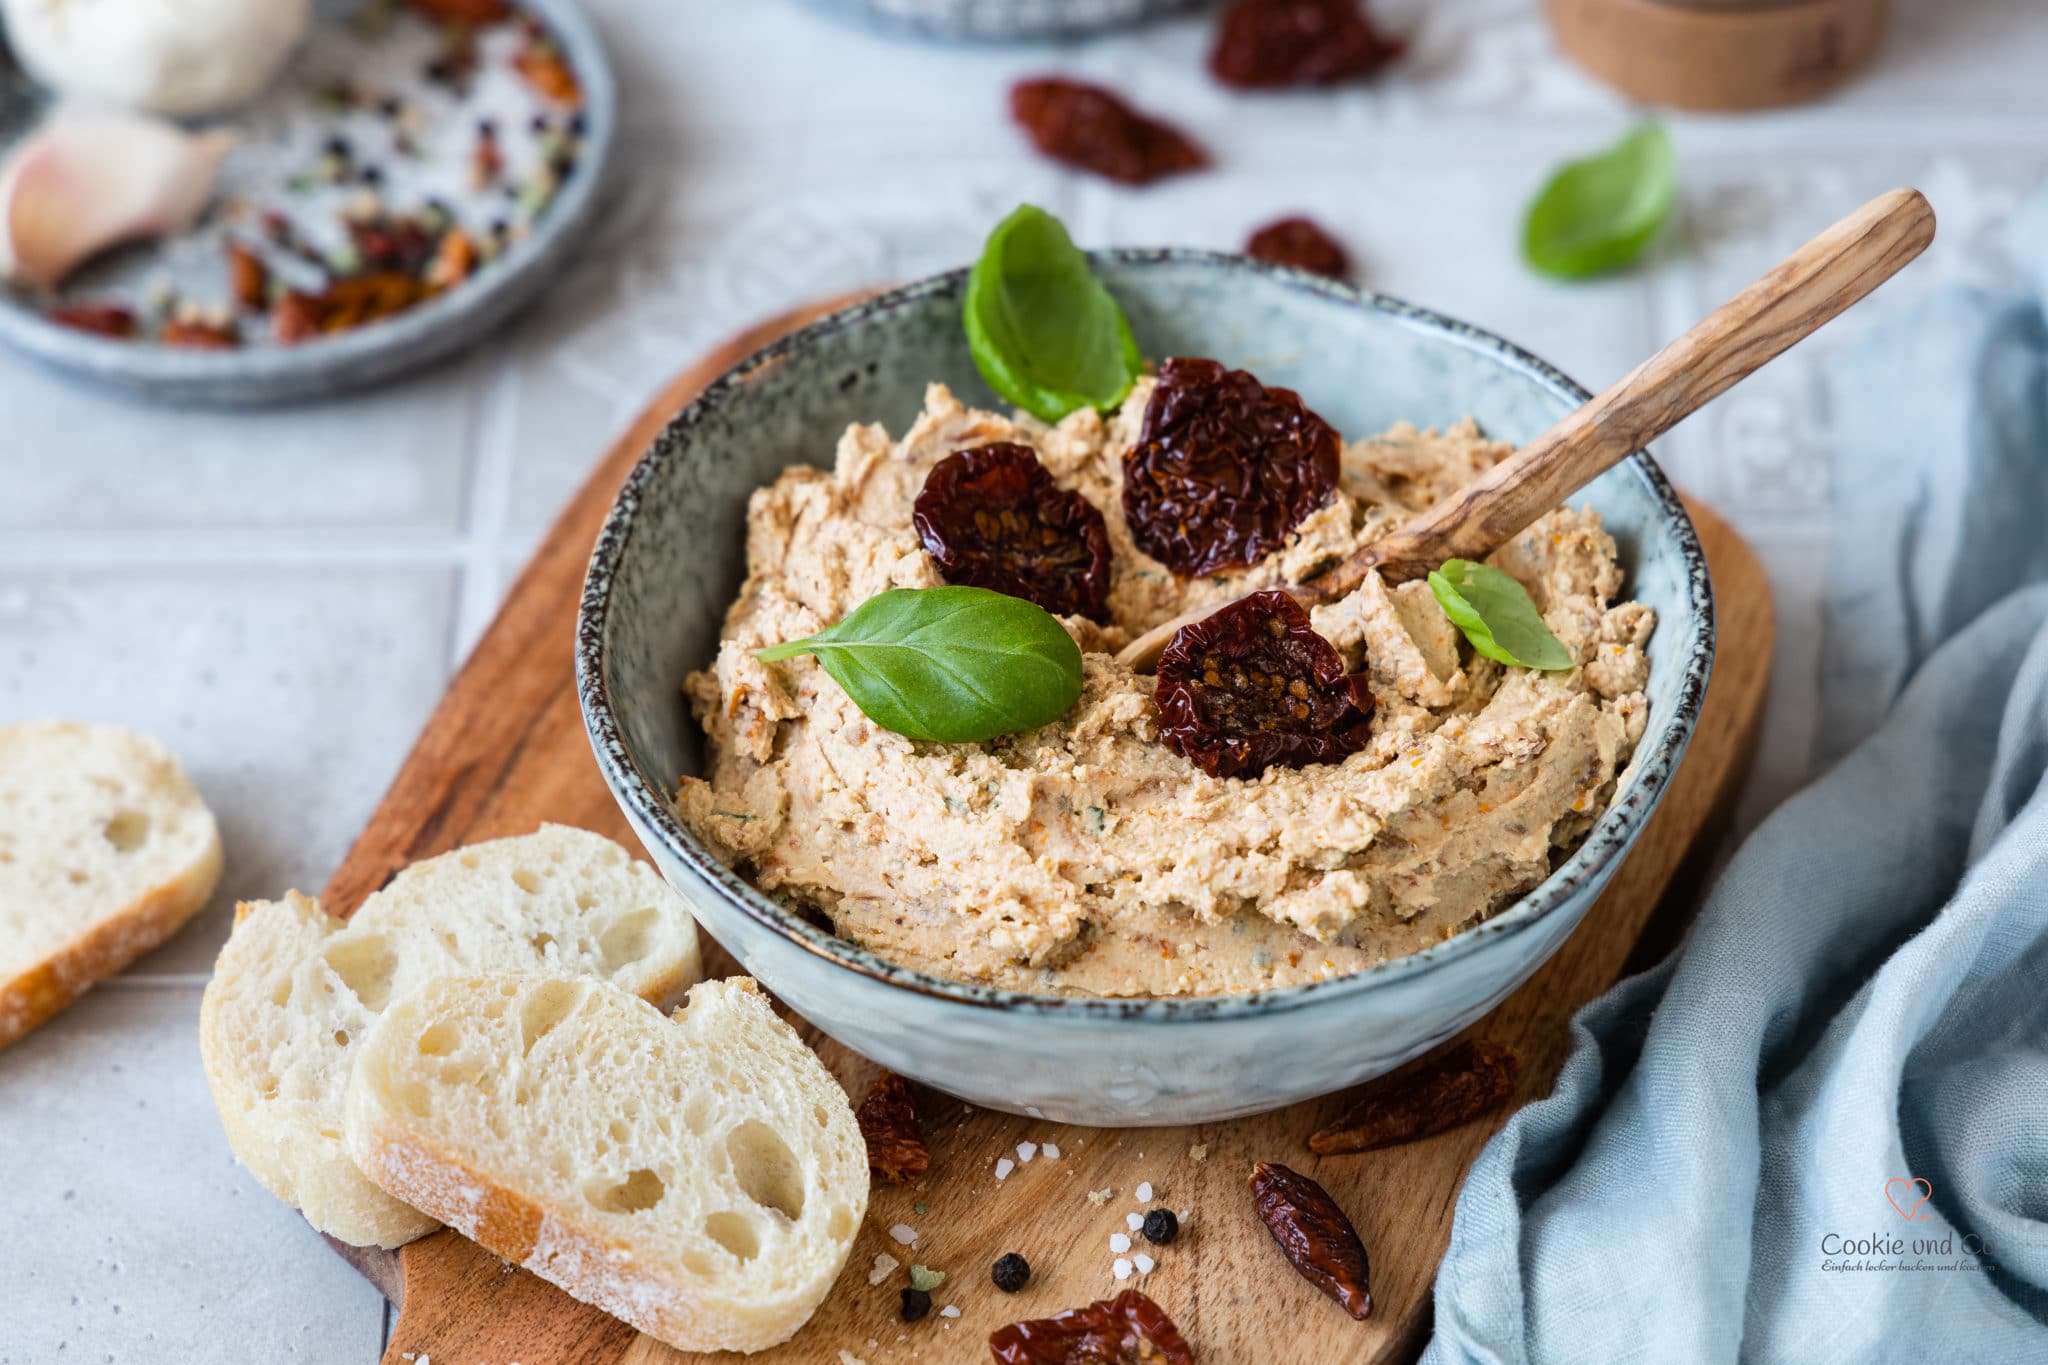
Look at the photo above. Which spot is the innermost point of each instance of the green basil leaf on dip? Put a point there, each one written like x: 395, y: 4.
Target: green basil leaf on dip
x: 1597, y: 215
x: 955, y: 665
x: 1497, y: 616
x: 1044, y: 332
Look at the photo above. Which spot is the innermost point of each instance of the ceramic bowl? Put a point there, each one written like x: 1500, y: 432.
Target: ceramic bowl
x: 671, y: 555
x: 1002, y: 20
x: 394, y: 347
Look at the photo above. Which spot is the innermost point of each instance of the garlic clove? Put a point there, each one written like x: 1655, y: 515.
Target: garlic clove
x: 184, y: 58
x: 87, y: 181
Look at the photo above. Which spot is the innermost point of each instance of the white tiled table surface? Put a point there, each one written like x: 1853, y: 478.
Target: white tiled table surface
x: 282, y: 596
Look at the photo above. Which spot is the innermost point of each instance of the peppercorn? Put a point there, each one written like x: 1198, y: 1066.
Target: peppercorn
x: 1161, y: 1227
x: 916, y: 1303
x: 1010, y: 1272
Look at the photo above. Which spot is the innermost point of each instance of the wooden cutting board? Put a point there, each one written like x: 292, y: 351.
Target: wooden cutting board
x: 506, y: 749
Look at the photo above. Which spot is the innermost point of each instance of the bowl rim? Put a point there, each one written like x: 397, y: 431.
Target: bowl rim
x: 363, y: 356
x: 650, y: 810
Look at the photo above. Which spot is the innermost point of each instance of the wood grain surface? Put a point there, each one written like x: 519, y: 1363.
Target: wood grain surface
x: 506, y: 749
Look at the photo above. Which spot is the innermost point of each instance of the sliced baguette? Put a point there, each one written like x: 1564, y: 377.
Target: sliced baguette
x: 701, y: 1178
x: 295, y: 990
x: 105, y: 850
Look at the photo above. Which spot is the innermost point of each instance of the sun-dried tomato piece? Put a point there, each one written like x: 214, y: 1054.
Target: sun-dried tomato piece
x: 453, y: 261
x: 1301, y: 244
x: 1129, y: 1329
x: 1465, y: 1082
x: 248, y: 277
x: 541, y: 63
x: 464, y: 11
x: 402, y: 244
x: 888, y: 1120
x: 1263, y: 44
x: 191, y: 334
x: 1252, y: 685
x: 993, y: 518
x: 1313, y: 1234
x: 1091, y: 128
x: 101, y: 319
x: 1224, y: 468
x: 345, y: 304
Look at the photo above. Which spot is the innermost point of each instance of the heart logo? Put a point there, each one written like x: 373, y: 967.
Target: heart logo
x: 1912, y: 1214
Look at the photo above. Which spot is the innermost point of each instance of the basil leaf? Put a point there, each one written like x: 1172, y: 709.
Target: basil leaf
x: 1045, y: 334
x: 1497, y: 616
x: 1598, y: 214
x: 956, y: 665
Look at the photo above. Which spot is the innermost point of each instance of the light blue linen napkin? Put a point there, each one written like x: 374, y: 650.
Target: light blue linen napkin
x: 1820, y: 1132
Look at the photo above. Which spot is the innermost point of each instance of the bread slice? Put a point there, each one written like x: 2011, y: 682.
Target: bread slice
x: 105, y: 850
x: 701, y: 1178
x: 295, y: 990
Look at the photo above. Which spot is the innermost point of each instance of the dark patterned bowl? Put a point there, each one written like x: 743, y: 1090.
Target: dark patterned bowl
x: 671, y: 557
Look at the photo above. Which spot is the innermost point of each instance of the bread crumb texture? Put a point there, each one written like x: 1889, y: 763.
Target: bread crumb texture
x: 105, y: 850
x: 296, y: 990
x: 700, y: 1177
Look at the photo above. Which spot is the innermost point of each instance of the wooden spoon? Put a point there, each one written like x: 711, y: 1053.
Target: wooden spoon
x: 1806, y: 289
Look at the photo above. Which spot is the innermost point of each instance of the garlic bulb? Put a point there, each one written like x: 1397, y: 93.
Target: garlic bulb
x: 178, y: 57
x: 88, y: 180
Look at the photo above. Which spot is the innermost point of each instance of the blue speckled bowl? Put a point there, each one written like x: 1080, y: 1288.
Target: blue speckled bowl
x: 672, y: 554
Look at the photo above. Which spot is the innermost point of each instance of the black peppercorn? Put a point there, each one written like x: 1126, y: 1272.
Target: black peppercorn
x: 1161, y: 1227
x: 1010, y: 1272
x: 916, y: 1303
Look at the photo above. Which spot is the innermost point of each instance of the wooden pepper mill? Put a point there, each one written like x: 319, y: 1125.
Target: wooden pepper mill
x: 1718, y: 55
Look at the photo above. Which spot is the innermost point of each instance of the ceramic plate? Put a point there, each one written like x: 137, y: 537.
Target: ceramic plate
x: 194, y: 267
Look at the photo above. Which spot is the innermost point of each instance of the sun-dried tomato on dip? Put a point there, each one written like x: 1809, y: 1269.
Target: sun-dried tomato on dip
x: 1092, y: 129
x: 1129, y: 1329
x: 1264, y: 44
x: 1253, y: 685
x: 993, y: 518
x: 1224, y: 468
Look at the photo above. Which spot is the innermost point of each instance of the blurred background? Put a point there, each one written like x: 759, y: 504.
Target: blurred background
x: 281, y: 594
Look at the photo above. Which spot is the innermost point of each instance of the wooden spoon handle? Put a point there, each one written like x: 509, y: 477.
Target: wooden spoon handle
x: 1783, y: 307
x: 1805, y: 290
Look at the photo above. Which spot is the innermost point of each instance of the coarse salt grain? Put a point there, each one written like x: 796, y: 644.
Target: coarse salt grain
x: 949, y: 1311
x: 1144, y: 1192
x: 904, y: 1233
x: 1134, y: 1221
x: 1120, y: 1268
x: 1051, y: 1150
x: 1119, y: 1242
x: 1026, y: 1150
x: 884, y: 1264
x: 1004, y: 1167
x: 1144, y: 1263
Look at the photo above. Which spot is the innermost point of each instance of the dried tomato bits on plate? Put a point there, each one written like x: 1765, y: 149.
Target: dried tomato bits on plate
x: 1224, y: 468
x: 993, y: 518
x: 1253, y: 685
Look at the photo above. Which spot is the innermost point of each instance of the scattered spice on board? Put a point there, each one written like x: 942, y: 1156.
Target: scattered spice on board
x: 1129, y: 1327
x: 1468, y: 1080
x: 888, y: 1121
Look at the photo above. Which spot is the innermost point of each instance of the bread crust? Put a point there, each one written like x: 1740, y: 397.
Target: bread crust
x: 106, y: 945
